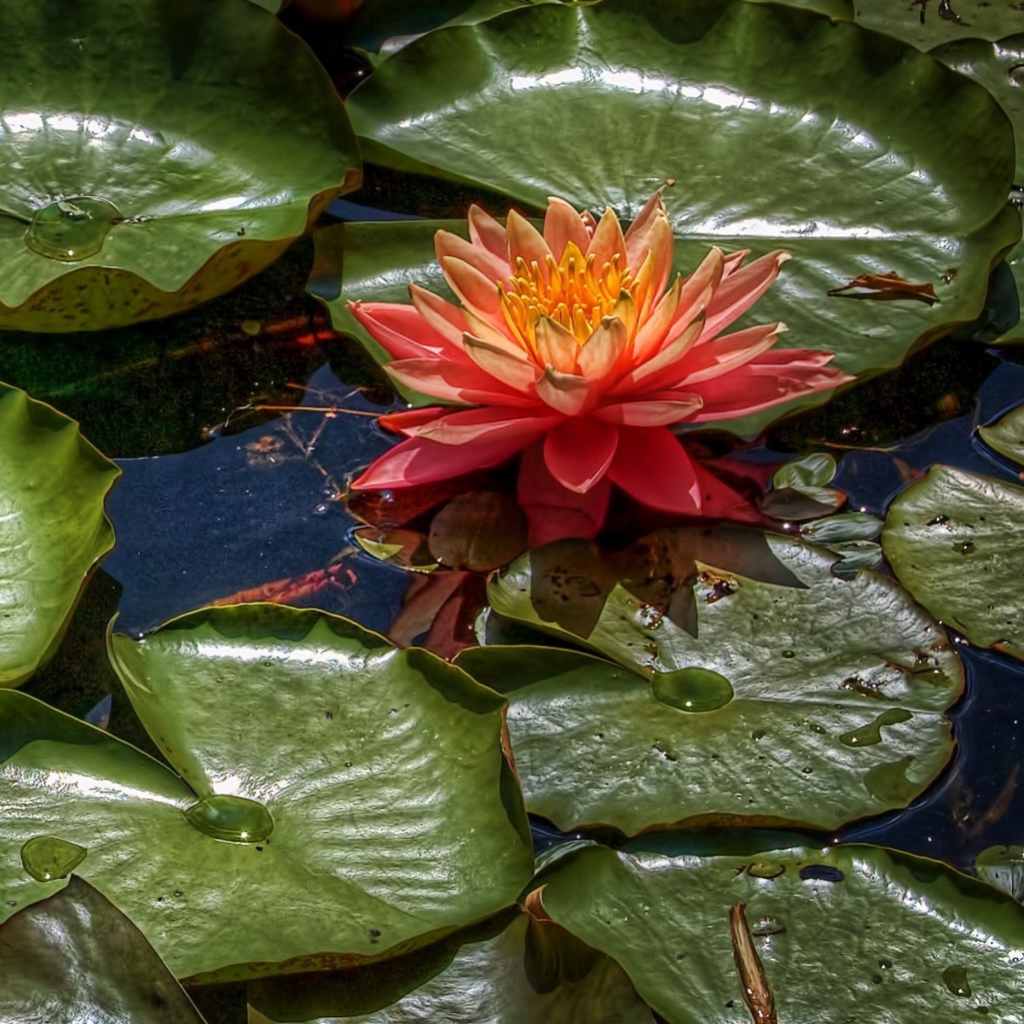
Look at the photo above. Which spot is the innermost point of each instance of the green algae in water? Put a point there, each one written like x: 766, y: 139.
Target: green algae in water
x: 692, y: 689
x: 870, y: 734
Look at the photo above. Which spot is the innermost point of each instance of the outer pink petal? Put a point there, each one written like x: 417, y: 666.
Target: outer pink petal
x: 419, y: 461
x: 408, y: 420
x: 775, y: 377
x: 484, y: 425
x: 444, y: 317
x: 562, y: 225
x: 652, y: 465
x: 478, y: 293
x: 455, y: 382
x: 663, y: 369
x: 608, y: 240
x: 400, y: 329
x: 579, y: 451
x: 566, y: 393
x: 526, y: 243
x: 740, y: 290
x: 494, y: 268
x: 656, y: 410
x: 487, y: 233
x: 651, y: 232
x: 723, y: 355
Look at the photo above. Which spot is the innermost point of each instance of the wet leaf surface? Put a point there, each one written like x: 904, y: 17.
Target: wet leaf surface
x: 762, y: 694
x: 318, y: 766
x: 844, y: 933
x: 1003, y: 867
x: 76, y: 958
x: 527, y: 971
x: 929, y: 23
x: 53, y: 529
x: 946, y: 539
x: 153, y: 158
x: 1006, y: 435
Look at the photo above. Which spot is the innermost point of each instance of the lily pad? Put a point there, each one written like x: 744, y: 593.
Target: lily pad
x: 336, y: 799
x: 934, y: 22
x: 1006, y: 435
x: 840, y: 934
x: 530, y: 971
x: 1003, y: 867
x: 53, y: 530
x: 154, y: 155
x: 848, y: 180
x: 949, y: 539
x: 75, y: 957
x: 771, y: 689
x: 596, y: 744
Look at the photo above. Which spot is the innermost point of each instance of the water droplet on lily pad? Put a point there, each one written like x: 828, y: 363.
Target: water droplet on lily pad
x: 870, y: 734
x: 71, y: 229
x: 692, y: 689
x: 233, y: 819
x: 955, y: 979
x: 46, y: 858
x: 889, y: 783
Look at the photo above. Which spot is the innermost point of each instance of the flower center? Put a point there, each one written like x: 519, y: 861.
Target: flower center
x: 574, y: 292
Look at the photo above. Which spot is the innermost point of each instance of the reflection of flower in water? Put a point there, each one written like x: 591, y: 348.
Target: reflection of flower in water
x: 573, y: 341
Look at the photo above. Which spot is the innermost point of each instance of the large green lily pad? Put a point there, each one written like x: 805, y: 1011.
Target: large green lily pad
x: 53, y: 530
x: 934, y: 22
x: 338, y: 799
x: 811, y: 703
x: 854, y: 173
x: 849, y: 933
x: 75, y: 958
x: 950, y: 540
x: 528, y: 972
x: 153, y: 155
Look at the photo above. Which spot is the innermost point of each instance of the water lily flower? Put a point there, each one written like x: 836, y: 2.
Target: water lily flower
x: 574, y: 343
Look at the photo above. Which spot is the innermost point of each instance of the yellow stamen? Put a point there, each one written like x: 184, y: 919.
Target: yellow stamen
x: 577, y: 295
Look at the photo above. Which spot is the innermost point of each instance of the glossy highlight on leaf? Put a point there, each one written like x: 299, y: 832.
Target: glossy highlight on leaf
x: 842, y: 933
x: 53, y: 529
x: 378, y: 809
x: 154, y: 155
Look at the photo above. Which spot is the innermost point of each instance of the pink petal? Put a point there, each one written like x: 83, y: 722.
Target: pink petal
x: 653, y: 411
x: 452, y: 246
x: 455, y: 382
x: 562, y: 225
x: 607, y: 240
x: 554, y: 512
x: 652, y: 465
x: 579, y: 451
x: 601, y: 351
x: 491, y: 423
x: 511, y: 368
x: 697, y: 294
x: 488, y: 233
x: 480, y: 294
x: 567, y: 393
x: 400, y: 329
x: 654, y: 330
x: 651, y: 233
x: 446, y: 319
x: 663, y: 369
x: 526, y: 243
x: 556, y: 346
x: 775, y: 377
x: 419, y: 461
x: 725, y: 354
x: 406, y: 421
x: 740, y: 290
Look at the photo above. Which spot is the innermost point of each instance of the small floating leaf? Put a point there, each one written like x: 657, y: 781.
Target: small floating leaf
x: 1003, y: 867
x: 947, y: 538
x: 1006, y: 435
